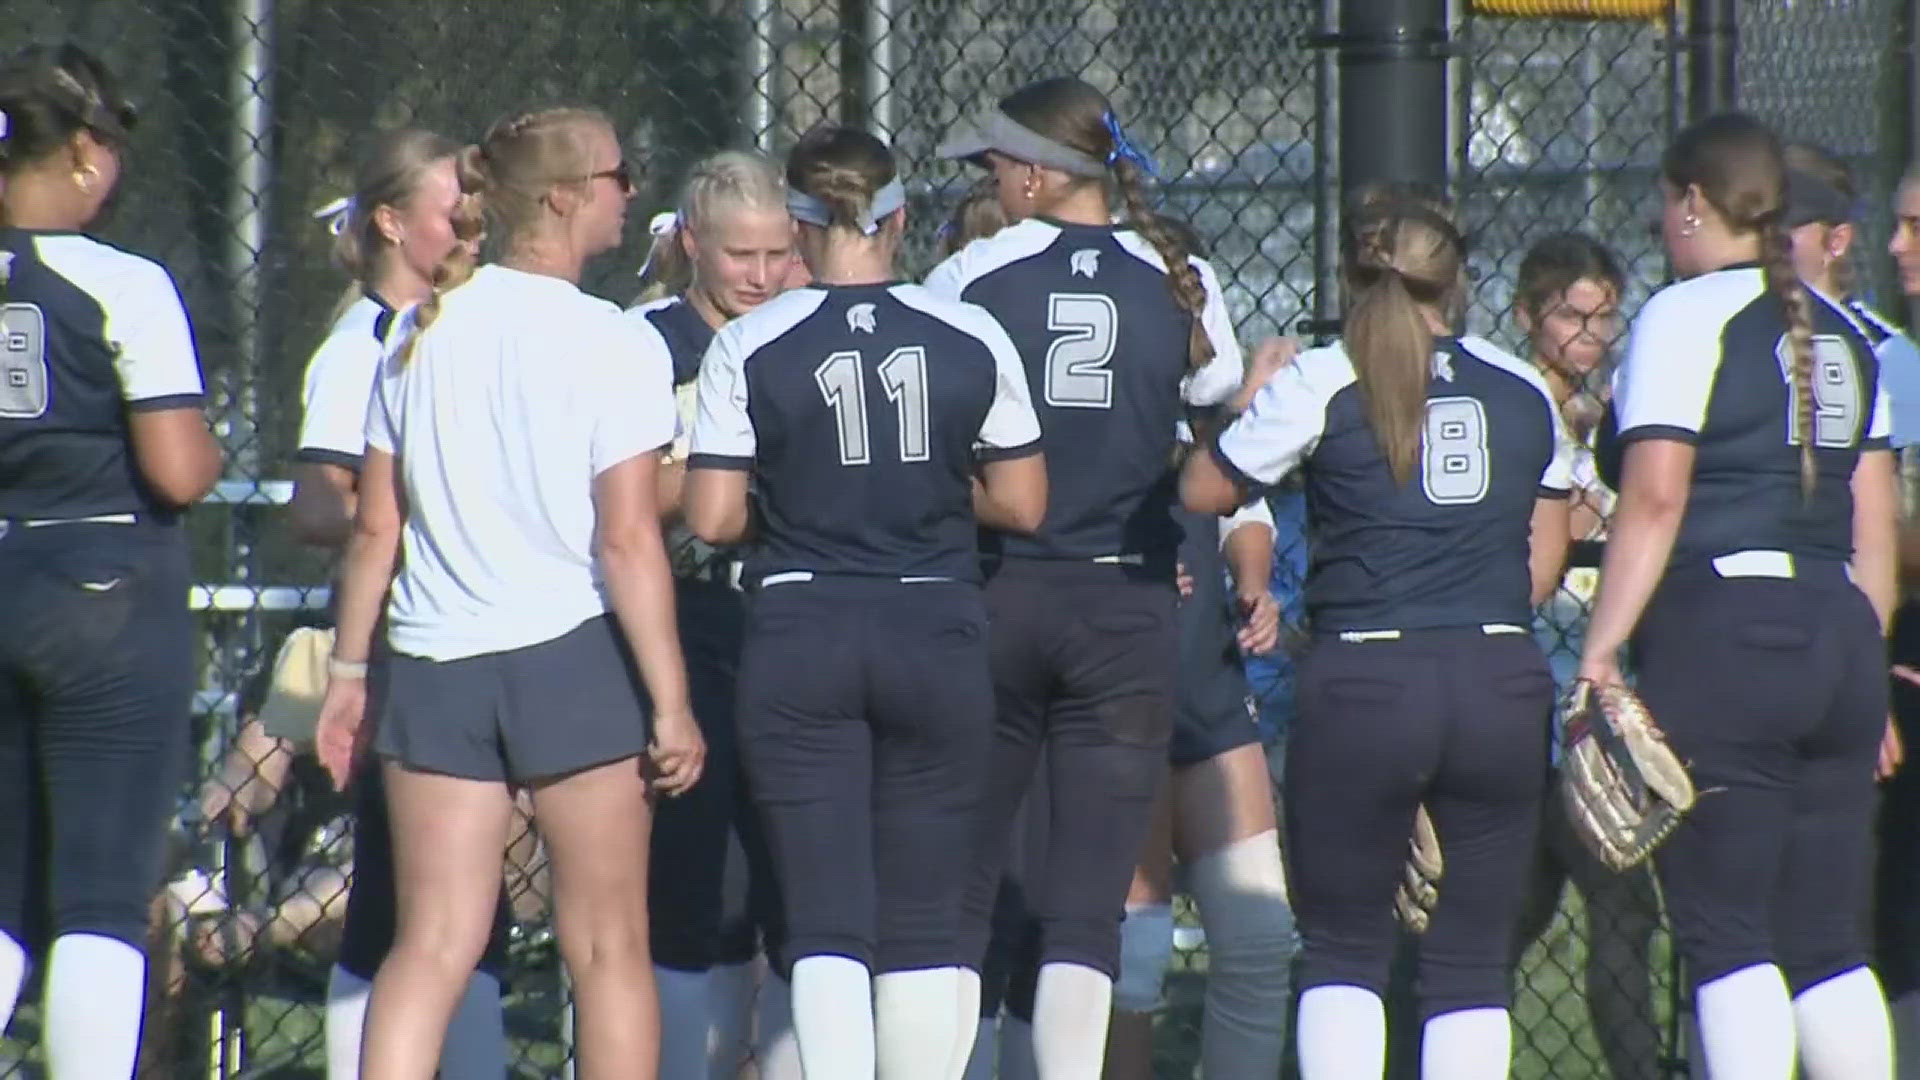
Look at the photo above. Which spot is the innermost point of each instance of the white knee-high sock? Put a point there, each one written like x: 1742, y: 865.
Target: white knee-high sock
x: 1241, y: 891
x: 476, y: 1046
x: 1906, y: 1034
x: 684, y: 1023
x: 1343, y: 1034
x: 966, y: 1022
x: 1469, y: 1044
x: 1017, y: 1060
x: 96, y: 989
x: 1844, y: 1030
x: 13, y: 975
x: 917, y: 1024
x: 346, y: 1022
x: 1746, y: 1025
x: 986, y: 1047
x: 776, y: 1050
x: 730, y: 1012
x: 1071, y: 1007
x: 833, y: 1017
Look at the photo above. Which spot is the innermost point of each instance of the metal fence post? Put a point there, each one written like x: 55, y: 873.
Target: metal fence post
x: 1713, y: 42
x: 1393, y: 91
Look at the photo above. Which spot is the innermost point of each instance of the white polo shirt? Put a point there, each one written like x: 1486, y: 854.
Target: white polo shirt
x: 520, y: 394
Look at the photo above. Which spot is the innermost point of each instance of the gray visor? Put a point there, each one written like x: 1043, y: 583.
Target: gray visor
x: 1810, y: 198
x: 997, y: 131
x: 805, y: 207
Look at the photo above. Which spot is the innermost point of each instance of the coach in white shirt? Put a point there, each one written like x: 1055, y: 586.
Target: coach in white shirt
x: 512, y: 444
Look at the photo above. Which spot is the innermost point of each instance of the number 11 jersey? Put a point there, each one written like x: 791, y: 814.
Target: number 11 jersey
x: 1105, y: 351
x: 861, y: 411
x: 1449, y: 547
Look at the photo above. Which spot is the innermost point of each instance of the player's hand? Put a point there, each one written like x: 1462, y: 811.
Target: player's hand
x: 1183, y: 581
x: 1272, y: 355
x: 1259, y: 632
x: 677, y: 753
x: 1892, y: 753
x: 1906, y: 674
x: 1601, y: 669
x: 219, y: 802
x: 342, y: 733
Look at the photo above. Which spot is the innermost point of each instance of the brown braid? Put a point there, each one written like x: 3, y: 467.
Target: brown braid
x: 1189, y: 291
x: 1776, y: 264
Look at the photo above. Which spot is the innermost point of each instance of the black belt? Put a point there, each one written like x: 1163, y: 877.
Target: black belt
x: 1586, y: 553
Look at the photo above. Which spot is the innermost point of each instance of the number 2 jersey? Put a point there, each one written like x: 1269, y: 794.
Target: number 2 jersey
x: 1707, y: 364
x: 88, y: 333
x: 1449, y: 548
x: 1104, y: 347
x: 862, y: 411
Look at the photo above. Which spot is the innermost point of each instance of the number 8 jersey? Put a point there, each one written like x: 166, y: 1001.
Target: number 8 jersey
x: 1447, y: 549
x: 1707, y: 363
x: 1105, y: 349
x: 861, y: 411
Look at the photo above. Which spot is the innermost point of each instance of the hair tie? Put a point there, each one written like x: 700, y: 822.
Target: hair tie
x: 335, y: 214
x: 1123, y: 147
x: 6, y: 125
x: 660, y: 226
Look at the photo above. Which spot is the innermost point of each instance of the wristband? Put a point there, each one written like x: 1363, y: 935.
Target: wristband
x: 346, y: 669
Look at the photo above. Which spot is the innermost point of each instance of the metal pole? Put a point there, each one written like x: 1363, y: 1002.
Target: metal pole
x: 882, y: 102
x: 1326, y: 189
x: 1713, y: 40
x: 1393, y: 91
x: 247, y: 93
x: 762, y: 58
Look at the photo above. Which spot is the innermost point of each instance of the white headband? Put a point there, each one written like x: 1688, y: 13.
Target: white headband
x: 805, y: 207
x: 335, y: 214
x: 660, y: 226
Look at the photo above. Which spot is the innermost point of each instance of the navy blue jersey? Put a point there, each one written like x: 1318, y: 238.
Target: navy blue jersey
x: 90, y: 333
x: 1707, y: 364
x: 1450, y: 547
x: 1212, y: 682
x: 861, y: 411
x: 1105, y: 351
x: 684, y: 330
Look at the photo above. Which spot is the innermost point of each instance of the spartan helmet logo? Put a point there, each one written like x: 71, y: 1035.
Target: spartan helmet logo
x: 1443, y: 367
x: 1085, y: 261
x: 860, y: 317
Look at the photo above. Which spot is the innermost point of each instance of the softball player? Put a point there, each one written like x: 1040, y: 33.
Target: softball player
x: 1437, y: 473
x: 102, y: 446
x: 728, y: 250
x: 1897, y: 928
x: 1751, y: 561
x: 1566, y: 301
x: 526, y: 599
x: 861, y: 409
x: 389, y: 234
x: 1116, y: 325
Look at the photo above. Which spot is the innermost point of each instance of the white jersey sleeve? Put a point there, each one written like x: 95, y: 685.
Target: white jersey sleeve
x: 147, y: 323
x: 334, y: 396
x: 633, y: 399
x: 1011, y: 429
x: 1217, y: 381
x: 723, y: 434
x: 1663, y: 383
x: 1255, y: 513
x: 1284, y: 423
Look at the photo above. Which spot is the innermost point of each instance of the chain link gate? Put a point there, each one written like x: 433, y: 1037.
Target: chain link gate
x: 251, y: 110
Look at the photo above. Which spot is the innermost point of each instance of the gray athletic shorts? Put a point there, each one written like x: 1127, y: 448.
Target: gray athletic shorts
x: 522, y: 715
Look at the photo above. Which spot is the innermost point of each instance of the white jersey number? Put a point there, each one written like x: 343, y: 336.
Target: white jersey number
x: 903, y: 374
x: 1453, y: 455
x: 1077, y: 375
x: 24, y: 390
x: 1838, y: 404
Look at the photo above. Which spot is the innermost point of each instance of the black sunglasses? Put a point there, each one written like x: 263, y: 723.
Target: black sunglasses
x: 620, y: 174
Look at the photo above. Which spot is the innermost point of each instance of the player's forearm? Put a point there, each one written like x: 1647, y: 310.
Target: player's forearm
x: 640, y: 588
x: 1248, y: 552
x: 372, y: 552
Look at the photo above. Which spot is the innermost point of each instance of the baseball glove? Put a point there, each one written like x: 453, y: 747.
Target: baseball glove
x: 1419, y: 887
x: 1624, y: 788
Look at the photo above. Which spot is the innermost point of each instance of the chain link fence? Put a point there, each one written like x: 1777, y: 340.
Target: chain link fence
x: 252, y: 110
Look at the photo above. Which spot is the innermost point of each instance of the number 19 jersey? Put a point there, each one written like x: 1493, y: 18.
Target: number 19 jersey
x: 1448, y: 548
x: 1105, y: 351
x: 861, y: 411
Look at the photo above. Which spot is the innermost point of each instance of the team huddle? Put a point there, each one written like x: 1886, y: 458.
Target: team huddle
x: 890, y: 635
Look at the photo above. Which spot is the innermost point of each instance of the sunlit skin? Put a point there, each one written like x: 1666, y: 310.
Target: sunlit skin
x: 1905, y: 245
x: 741, y: 260
x: 605, y: 209
x: 419, y: 229
x: 1575, y: 331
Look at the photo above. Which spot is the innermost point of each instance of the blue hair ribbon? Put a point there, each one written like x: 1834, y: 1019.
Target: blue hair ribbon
x: 1124, y: 147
